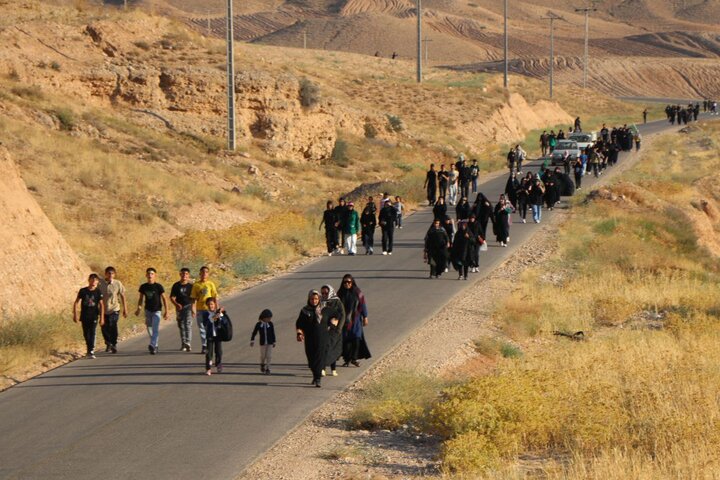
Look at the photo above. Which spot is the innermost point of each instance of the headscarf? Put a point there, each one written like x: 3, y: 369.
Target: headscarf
x: 317, y: 309
x: 330, y: 296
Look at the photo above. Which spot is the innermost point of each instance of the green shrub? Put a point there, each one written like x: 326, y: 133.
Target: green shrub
x: 55, y: 65
x: 66, y: 117
x: 339, y: 154
x: 250, y: 266
x: 309, y: 93
x: 508, y: 350
x: 395, y: 124
x: 370, y: 130
x: 254, y: 189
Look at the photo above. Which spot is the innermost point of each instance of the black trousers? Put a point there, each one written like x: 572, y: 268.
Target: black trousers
x: 89, y: 328
x: 368, y: 239
x: 431, y: 194
x: 465, y: 189
x: 214, y: 347
x: 331, y: 238
x: 110, y: 329
x: 443, y: 190
x: 578, y: 180
x: 522, y: 208
x: 387, y: 238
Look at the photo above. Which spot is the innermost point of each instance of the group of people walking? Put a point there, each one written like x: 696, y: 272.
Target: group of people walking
x: 331, y: 325
x: 454, y: 184
x: 685, y: 114
x: 343, y: 224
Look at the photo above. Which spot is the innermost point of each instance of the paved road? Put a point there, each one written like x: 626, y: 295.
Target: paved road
x: 133, y: 415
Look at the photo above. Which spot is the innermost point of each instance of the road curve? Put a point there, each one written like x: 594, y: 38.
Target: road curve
x: 132, y: 415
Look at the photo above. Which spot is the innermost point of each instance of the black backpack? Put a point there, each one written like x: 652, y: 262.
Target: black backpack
x: 225, y: 328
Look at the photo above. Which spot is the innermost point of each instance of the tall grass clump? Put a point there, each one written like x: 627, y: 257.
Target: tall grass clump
x: 396, y: 400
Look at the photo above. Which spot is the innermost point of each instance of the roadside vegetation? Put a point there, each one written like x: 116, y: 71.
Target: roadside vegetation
x: 637, y: 272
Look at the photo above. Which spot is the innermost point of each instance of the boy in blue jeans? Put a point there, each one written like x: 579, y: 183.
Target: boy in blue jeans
x: 152, y: 294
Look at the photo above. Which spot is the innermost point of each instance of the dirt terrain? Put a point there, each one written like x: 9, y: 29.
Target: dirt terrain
x: 640, y: 39
x: 34, y: 253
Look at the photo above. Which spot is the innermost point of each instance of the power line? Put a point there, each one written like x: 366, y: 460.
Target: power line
x: 230, y: 77
x: 552, y: 17
x: 426, y: 41
x: 586, y: 11
x: 505, y: 77
x: 419, y: 40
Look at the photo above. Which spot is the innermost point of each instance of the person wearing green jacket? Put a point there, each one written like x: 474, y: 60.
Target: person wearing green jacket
x: 351, y: 227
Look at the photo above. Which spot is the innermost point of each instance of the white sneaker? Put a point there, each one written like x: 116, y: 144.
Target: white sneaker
x: 389, y: 253
x: 446, y: 270
x: 329, y: 254
x: 334, y: 373
x: 384, y: 253
x: 523, y: 220
x: 323, y: 372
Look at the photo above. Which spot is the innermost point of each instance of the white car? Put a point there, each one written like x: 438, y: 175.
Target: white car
x: 583, y: 139
x: 565, y: 148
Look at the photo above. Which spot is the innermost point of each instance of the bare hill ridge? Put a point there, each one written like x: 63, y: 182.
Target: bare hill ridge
x: 470, y: 32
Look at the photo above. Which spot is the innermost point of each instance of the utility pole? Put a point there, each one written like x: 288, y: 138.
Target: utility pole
x: 426, y: 41
x: 230, y: 77
x: 209, y: 30
x: 505, y: 77
x: 304, y: 39
x: 587, y: 11
x: 552, y: 17
x: 419, y: 41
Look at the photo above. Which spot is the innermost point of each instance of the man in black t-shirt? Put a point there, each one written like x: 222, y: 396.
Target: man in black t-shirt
x: 184, y: 308
x: 153, y: 295
x: 92, y: 307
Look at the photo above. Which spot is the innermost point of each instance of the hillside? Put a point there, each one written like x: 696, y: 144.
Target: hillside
x: 115, y: 121
x: 469, y: 33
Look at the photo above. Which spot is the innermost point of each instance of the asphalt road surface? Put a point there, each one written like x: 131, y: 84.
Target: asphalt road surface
x: 133, y: 415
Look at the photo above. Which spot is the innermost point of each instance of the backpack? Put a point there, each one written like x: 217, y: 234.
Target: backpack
x: 225, y: 329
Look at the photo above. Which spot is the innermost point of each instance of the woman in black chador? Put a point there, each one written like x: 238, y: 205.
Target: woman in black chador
x: 356, y: 318
x: 502, y: 221
x: 462, y: 248
x: 483, y: 211
x: 312, y: 328
x: 437, y: 243
x: 332, y: 307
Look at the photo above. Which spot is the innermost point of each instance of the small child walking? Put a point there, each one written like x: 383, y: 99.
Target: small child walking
x: 265, y: 328
x: 215, y: 317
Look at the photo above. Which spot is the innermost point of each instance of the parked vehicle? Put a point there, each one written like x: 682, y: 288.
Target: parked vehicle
x: 563, y: 149
x: 583, y: 139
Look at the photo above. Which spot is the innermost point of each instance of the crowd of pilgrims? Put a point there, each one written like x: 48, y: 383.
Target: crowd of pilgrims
x: 458, y: 241
x: 682, y: 115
